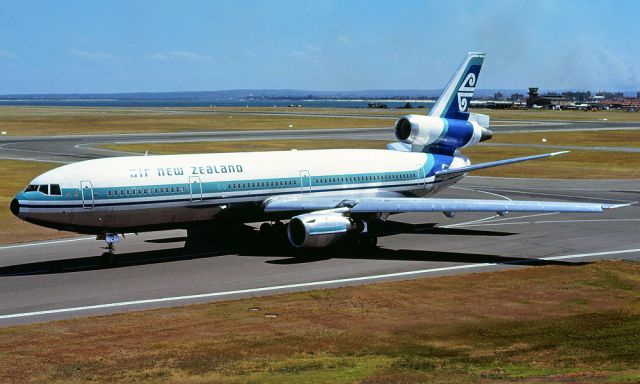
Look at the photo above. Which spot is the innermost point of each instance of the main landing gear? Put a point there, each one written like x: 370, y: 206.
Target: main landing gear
x: 273, y: 232
x: 366, y: 241
x: 109, y: 257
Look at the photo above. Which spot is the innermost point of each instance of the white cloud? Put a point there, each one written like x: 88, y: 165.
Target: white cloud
x: 181, y: 56
x: 7, y: 55
x: 96, y: 56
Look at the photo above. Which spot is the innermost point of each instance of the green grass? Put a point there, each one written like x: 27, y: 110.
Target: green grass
x: 531, y: 325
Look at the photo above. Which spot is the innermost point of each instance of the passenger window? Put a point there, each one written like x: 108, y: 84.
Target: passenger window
x: 55, y: 190
x: 44, y: 189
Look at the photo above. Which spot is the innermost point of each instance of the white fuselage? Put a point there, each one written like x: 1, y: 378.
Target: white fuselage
x: 151, y: 192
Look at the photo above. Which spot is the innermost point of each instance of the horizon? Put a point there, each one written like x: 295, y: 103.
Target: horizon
x: 66, y: 47
x: 480, y: 92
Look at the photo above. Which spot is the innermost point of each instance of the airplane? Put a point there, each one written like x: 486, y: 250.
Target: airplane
x: 328, y: 196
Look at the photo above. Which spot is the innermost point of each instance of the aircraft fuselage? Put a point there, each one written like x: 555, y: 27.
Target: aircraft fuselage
x: 138, y: 193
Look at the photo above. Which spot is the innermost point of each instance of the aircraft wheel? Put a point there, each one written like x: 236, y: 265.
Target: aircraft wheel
x: 266, y: 230
x: 368, y: 242
x: 279, y: 228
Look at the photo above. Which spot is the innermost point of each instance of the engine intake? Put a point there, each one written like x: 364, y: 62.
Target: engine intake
x: 433, y: 131
x: 314, y: 230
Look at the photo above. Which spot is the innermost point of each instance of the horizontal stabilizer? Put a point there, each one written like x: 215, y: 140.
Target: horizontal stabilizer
x: 456, y: 171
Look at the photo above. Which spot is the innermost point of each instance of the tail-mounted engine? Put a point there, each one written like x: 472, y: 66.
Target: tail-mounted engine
x: 442, y: 133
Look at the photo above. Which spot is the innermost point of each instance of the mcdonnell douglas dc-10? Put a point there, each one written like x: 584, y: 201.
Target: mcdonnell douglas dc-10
x: 328, y: 196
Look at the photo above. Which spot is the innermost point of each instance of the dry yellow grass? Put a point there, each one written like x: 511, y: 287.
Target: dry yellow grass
x: 50, y: 121
x: 505, y: 114
x: 250, y: 146
x: 533, y: 115
x: 564, y: 323
x: 87, y: 120
x: 574, y: 165
x: 622, y: 138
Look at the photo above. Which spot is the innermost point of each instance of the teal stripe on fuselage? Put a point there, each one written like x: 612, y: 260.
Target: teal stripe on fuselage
x: 240, y: 188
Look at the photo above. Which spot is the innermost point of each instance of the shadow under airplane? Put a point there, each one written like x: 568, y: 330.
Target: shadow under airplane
x: 227, y: 243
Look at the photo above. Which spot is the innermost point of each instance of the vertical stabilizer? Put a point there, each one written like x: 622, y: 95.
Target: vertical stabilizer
x: 454, y: 101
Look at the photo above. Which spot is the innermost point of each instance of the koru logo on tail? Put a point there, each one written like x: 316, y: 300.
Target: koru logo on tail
x: 466, y: 92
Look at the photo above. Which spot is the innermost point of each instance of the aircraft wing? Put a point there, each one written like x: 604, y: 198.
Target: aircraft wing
x: 400, y: 204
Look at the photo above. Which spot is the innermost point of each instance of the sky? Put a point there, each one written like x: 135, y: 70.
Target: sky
x: 150, y: 46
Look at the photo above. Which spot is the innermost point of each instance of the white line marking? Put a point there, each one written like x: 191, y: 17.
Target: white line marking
x: 304, y: 285
x: 481, y: 191
x: 46, y: 242
x: 468, y: 222
x: 552, y: 222
x: 480, y: 222
x: 559, y: 195
x: 31, y: 159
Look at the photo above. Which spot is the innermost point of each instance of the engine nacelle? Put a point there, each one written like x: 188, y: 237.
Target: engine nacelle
x: 445, y: 133
x: 314, y: 230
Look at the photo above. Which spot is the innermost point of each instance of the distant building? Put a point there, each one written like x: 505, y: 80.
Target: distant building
x: 535, y: 98
x: 638, y: 95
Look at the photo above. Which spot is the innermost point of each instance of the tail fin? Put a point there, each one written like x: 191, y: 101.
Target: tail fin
x: 454, y: 101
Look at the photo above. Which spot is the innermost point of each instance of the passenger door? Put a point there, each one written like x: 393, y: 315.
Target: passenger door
x: 305, y: 182
x: 196, y: 188
x: 421, y: 176
x: 87, y: 194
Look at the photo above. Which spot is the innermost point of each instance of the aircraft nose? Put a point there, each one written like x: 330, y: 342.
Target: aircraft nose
x: 15, y: 207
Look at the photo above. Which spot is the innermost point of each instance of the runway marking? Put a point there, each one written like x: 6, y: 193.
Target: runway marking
x: 526, y: 192
x: 550, y: 222
x: 37, y: 160
x: 4, y: 147
x: 486, y: 221
x: 481, y: 191
x: 45, y: 243
x: 478, y: 220
x: 309, y: 284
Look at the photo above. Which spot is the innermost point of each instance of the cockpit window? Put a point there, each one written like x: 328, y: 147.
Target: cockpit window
x: 54, y: 189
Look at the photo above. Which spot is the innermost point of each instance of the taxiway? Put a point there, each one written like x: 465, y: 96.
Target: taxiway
x: 66, y: 278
